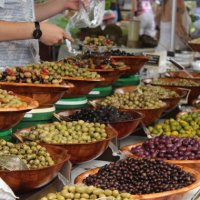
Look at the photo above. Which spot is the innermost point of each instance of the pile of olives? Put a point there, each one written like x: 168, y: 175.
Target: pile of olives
x: 34, y: 155
x: 187, y: 125
x: 9, y: 100
x: 178, y: 82
x: 131, y: 100
x: 28, y: 74
x: 97, y: 41
x: 140, y: 176
x: 74, y: 132
x: 69, y: 70
x: 169, y: 147
x: 101, y: 114
x: 118, y: 52
x: 83, y: 192
x: 160, y: 92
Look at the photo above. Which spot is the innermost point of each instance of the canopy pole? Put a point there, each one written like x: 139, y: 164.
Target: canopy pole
x: 173, y: 25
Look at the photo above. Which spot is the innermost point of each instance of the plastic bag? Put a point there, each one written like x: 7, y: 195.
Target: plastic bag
x: 88, y: 17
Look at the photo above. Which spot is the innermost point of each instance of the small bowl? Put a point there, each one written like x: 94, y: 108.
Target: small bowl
x: 171, y: 102
x: 80, y: 152
x: 196, y: 103
x: 123, y: 129
x: 193, y: 91
x: 194, y: 46
x: 149, y: 115
x: 134, y: 62
x: 193, y: 164
x: 168, y: 195
x: 110, y: 75
x: 82, y: 86
x: 23, y: 181
x: 45, y: 94
x: 9, y: 117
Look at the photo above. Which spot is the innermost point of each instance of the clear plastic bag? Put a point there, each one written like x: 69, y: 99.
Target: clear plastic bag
x: 88, y: 17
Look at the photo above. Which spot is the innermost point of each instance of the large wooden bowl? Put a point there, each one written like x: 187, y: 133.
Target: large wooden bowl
x: 194, y: 164
x: 80, y: 152
x: 182, y: 74
x: 45, y: 94
x: 134, y: 62
x: 22, y: 181
x: 171, y: 102
x: 193, y: 91
x: 123, y: 129
x: 9, y: 117
x: 169, y: 195
x: 149, y: 115
x: 196, y: 103
x: 110, y: 75
x: 82, y: 86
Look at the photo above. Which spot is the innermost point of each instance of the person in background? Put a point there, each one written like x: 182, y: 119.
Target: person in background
x: 19, y: 33
x: 142, y: 10
x: 183, y: 23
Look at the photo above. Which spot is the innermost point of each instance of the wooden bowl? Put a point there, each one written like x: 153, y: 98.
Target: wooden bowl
x: 193, y: 91
x: 194, y: 46
x: 134, y: 62
x: 22, y: 181
x: 80, y: 152
x: 182, y: 74
x: 196, y: 103
x: 110, y: 75
x: 82, y: 86
x: 149, y: 115
x: 123, y: 129
x: 194, y: 164
x: 171, y: 102
x: 9, y: 117
x: 169, y: 195
x: 45, y: 94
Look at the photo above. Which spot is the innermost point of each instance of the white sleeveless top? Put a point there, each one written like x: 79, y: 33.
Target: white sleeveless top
x: 21, y: 52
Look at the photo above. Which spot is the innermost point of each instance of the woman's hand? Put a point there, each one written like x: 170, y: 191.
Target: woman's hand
x: 52, y: 34
x: 75, y: 4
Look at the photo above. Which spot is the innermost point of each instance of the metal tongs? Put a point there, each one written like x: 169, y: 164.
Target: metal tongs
x: 181, y: 67
x: 12, y: 163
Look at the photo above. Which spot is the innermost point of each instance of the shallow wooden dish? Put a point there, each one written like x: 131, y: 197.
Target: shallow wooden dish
x: 149, y: 115
x: 110, y: 75
x: 171, y: 102
x: 45, y: 94
x: 169, y: 195
x: 194, y: 164
x: 194, y: 91
x: 80, y: 152
x: 22, y: 181
x: 82, y: 86
x: 134, y: 62
x: 9, y: 117
x: 182, y: 74
x: 123, y: 129
x: 194, y: 46
x: 184, y: 112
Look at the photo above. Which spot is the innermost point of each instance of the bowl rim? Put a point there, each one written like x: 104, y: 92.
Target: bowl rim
x: 64, y: 151
x: 126, y: 149
x: 137, y: 109
x: 196, y: 174
x: 112, y: 134
x: 140, y: 115
x: 181, y: 90
x: 124, y: 68
x: 32, y: 104
x: 141, y: 57
x: 38, y: 85
x: 149, y: 81
x: 83, y: 79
